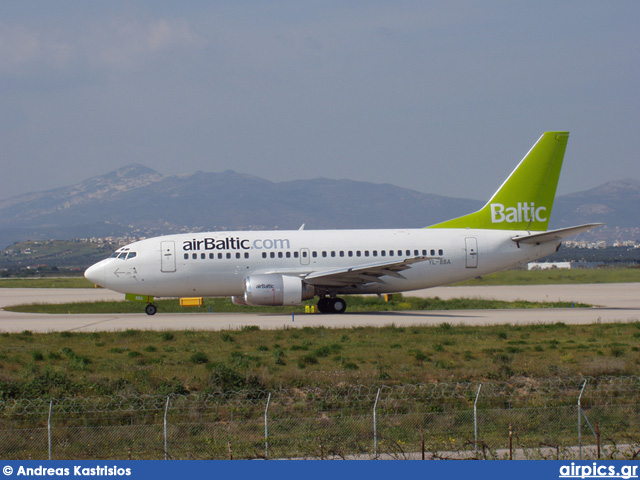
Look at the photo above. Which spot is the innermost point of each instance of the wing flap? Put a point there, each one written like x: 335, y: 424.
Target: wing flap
x: 363, y: 274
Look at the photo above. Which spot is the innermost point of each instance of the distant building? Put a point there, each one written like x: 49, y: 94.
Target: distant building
x: 548, y: 265
x: 562, y: 265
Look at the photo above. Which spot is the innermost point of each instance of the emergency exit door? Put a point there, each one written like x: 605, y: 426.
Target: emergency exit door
x: 168, y: 258
x: 471, y: 245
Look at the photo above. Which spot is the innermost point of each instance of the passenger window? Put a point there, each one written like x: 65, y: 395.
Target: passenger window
x: 324, y: 254
x: 416, y: 252
x: 288, y: 255
x: 272, y: 254
x: 264, y: 254
x: 228, y: 255
x: 194, y: 256
x: 219, y: 256
x: 391, y: 252
x: 375, y: 253
x: 350, y: 253
x: 203, y: 256
x: 333, y: 254
x: 342, y: 253
x: 211, y: 256
x: 279, y: 254
x: 433, y: 253
x: 383, y: 253
x: 399, y: 253
x: 246, y: 254
x: 238, y: 255
x: 424, y: 253
x: 314, y: 254
x: 408, y: 253
x: 366, y: 253
x: 295, y: 255
x: 304, y: 254
x: 358, y: 253
x: 186, y: 256
x: 440, y: 252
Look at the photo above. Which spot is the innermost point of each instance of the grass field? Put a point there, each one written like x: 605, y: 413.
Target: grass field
x: 356, y: 304
x: 148, y: 362
x: 551, y: 277
x: 507, y: 277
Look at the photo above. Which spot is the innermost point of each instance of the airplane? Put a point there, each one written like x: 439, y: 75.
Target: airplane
x: 269, y: 268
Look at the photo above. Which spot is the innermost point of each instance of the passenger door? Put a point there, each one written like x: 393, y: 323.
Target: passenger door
x: 168, y: 256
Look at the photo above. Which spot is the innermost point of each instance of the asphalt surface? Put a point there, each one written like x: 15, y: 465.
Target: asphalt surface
x: 619, y: 302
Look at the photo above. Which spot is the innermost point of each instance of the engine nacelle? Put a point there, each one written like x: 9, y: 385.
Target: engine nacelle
x: 275, y: 290
x: 238, y: 300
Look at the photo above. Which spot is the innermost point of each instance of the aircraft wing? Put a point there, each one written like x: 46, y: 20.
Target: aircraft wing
x: 555, y: 235
x: 354, y: 276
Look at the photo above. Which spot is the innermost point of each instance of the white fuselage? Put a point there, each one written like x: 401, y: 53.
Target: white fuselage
x: 217, y: 263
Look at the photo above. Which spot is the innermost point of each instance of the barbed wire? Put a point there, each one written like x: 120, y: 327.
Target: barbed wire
x: 598, y: 389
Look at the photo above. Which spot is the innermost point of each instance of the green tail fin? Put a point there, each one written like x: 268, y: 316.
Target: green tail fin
x: 525, y: 199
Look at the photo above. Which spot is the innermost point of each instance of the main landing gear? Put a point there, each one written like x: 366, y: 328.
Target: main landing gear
x: 331, y: 305
x: 150, y: 309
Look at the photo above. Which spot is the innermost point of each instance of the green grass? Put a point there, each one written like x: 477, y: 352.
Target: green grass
x: 507, y: 277
x: 46, y: 282
x: 550, y: 277
x: 34, y: 365
x: 356, y: 304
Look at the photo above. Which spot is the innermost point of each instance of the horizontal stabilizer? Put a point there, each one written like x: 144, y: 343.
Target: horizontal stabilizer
x: 555, y: 235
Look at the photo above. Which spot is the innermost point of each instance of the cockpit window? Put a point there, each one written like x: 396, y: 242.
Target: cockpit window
x: 131, y: 255
x: 114, y: 254
x: 122, y: 255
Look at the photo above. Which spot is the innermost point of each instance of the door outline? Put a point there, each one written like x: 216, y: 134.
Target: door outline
x: 168, y: 256
x: 471, y: 247
x: 304, y: 256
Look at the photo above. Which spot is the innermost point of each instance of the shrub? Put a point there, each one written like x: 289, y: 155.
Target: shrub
x: 199, y: 357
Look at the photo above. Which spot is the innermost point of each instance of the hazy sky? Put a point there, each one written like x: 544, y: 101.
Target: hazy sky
x: 442, y: 96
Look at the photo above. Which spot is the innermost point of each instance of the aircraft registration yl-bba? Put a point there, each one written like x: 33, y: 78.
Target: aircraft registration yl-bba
x: 287, y: 267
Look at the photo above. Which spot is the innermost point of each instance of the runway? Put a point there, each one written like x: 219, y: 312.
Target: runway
x: 619, y: 302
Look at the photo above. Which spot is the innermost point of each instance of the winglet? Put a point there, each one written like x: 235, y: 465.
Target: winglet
x: 525, y: 199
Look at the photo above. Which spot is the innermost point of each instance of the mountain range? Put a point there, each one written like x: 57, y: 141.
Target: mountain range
x: 138, y: 201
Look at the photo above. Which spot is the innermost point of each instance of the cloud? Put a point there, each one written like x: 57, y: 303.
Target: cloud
x: 121, y: 44
x: 127, y: 44
x: 22, y: 49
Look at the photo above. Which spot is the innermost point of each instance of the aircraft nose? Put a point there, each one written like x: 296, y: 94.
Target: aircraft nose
x: 95, y: 274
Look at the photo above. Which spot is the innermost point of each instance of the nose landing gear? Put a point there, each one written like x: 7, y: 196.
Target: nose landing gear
x: 150, y: 309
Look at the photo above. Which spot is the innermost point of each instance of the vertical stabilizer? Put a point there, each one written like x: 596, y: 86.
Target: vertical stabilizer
x: 525, y: 199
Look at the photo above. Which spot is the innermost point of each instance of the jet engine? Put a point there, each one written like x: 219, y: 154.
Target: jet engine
x: 274, y: 290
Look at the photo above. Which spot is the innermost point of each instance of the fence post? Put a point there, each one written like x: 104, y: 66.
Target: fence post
x: 375, y: 426
x: 266, y: 427
x: 166, y: 438
x: 475, y: 421
x: 580, y: 419
x: 49, y: 426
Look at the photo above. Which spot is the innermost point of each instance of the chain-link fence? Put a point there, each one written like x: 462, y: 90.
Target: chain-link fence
x: 553, y: 418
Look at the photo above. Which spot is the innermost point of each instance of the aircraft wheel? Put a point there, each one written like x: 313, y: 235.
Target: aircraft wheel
x: 150, y: 309
x: 338, y: 305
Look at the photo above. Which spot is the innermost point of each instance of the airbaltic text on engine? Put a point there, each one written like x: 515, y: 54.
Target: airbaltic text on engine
x: 234, y: 243
x: 523, y: 212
